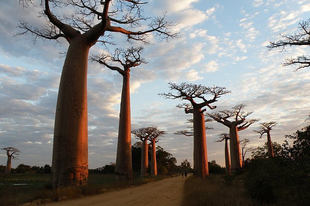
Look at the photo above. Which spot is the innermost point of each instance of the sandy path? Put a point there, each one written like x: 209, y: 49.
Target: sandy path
x: 167, y: 192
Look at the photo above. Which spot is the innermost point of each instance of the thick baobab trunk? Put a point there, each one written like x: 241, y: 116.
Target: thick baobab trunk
x: 144, y: 158
x: 123, y: 159
x: 269, y: 145
x: 235, y: 154
x: 227, y: 158
x: 8, y: 165
x: 153, y: 161
x: 70, y: 150
x: 201, y: 168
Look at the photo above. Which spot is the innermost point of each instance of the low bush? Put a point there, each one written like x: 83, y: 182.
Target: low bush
x: 214, y: 191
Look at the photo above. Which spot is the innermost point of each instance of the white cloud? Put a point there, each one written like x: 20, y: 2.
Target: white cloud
x: 211, y: 66
x: 305, y: 8
x: 241, y: 46
x: 257, y: 3
x: 193, y: 75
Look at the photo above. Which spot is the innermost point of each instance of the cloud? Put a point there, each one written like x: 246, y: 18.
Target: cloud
x: 211, y: 66
x: 257, y: 3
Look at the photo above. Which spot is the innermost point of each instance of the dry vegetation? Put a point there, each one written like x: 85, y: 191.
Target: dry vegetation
x: 215, y: 190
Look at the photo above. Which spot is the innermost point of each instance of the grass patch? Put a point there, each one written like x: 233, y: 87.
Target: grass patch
x: 17, y: 189
x: 215, y: 190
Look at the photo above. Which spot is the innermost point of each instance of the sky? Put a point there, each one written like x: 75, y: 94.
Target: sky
x: 221, y: 43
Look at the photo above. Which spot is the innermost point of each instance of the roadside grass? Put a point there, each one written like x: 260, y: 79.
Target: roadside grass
x: 216, y: 190
x: 17, y: 189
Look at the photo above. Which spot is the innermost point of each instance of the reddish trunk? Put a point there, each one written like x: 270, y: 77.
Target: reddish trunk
x: 123, y: 159
x: 269, y: 144
x: 70, y: 150
x: 144, y: 158
x: 154, y: 161
x: 8, y: 165
x: 201, y: 168
x: 227, y: 158
x: 236, y: 160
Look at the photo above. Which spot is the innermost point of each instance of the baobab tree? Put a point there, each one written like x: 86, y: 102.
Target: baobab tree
x: 236, y: 121
x: 88, y: 25
x: 244, y: 149
x: 154, y: 138
x: 298, y: 39
x: 196, y: 95
x: 127, y: 59
x: 12, y: 153
x: 225, y: 137
x: 265, y: 128
x: 143, y: 134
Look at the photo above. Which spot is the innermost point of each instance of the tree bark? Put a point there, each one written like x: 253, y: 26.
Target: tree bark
x: 236, y: 160
x: 70, y: 150
x: 144, y: 158
x: 153, y: 161
x: 123, y: 159
x: 201, y: 168
x: 227, y: 158
x: 269, y: 144
x: 8, y: 165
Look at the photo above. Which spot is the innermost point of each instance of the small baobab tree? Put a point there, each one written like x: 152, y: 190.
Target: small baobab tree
x: 297, y: 39
x: 88, y: 24
x: 244, y: 149
x: 154, y: 138
x: 225, y: 137
x: 196, y: 95
x: 265, y: 128
x: 143, y: 135
x: 11, y: 153
x: 236, y: 121
x: 127, y: 59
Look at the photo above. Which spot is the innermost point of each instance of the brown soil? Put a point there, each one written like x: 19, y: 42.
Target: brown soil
x: 167, y: 192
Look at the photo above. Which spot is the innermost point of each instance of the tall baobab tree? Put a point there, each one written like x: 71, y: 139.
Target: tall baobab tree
x: 127, y: 59
x: 143, y: 134
x: 154, y: 138
x: 298, y: 39
x: 225, y: 137
x: 88, y: 25
x: 196, y: 95
x: 236, y: 121
x: 265, y: 128
x: 12, y: 153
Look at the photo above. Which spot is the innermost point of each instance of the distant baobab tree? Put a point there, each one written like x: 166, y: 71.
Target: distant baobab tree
x: 236, y: 121
x: 127, y: 59
x: 297, y: 39
x: 143, y: 134
x: 11, y: 153
x: 154, y: 138
x: 225, y: 137
x: 265, y: 128
x: 196, y: 95
x: 244, y: 149
x: 88, y: 25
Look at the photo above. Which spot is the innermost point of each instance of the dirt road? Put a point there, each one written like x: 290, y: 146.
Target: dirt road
x: 167, y: 192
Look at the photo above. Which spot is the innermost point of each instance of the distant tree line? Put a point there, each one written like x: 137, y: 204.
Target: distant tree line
x: 22, y: 168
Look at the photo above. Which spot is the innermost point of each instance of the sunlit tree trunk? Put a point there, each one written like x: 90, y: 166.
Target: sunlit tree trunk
x: 235, y: 154
x: 201, y: 168
x: 269, y: 144
x: 144, y: 157
x: 123, y: 159
x: 8, y: 164
x: 227, y: 158
x: 153, y: 161
x: 70, y: 150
